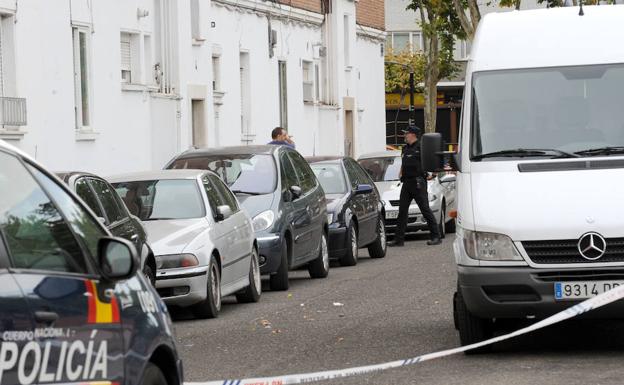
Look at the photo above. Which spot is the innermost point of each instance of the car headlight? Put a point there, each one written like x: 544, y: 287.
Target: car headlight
x: 432, y: 197
x: 489, y: 246
x: 264, y: 220
x: 173, y: 261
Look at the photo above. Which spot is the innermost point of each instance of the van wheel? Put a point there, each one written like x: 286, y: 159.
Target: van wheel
x: 471, y: 329
x: 319, y: 268
x: 378, y: 248
x: 210, y: 307
x: 351, y: 256
x: 253, y: 291
x: 279, y: 280
x: 153, y: 376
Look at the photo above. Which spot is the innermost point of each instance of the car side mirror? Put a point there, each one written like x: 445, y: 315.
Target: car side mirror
x: 448, y: 178
x: 117, y: 258
x: 296, y: 192
x: 102, y: 220
x: 363, y: 189
x: 223, y: 213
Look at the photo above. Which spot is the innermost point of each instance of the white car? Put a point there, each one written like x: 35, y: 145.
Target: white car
x: 384, y: 168
x: 203, y: 242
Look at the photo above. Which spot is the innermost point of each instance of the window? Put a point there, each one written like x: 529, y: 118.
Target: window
x: 245, y: 91
x: 287, y: 172
x: 165, y: 46
x: 148, y: 59
x: 196, y: 21
x: 111, y: 207
x: 401, y: 42
x: 81, y: 36
x: 216, y: 73
x: 331, y: 177
x: 86, y: 194
x: 214, y: 199
x: 36, y: 235
x: 283, y: 94
x: 228, y: 198
x: 347, y: 40
x: 317, y: 82
x: 308, y: 76
x: 7, y: 56
x: 383, y: 169
x: 130, y: 58
x: 307, y: 179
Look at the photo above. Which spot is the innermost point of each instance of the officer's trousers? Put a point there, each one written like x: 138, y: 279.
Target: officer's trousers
x: 409, y: 192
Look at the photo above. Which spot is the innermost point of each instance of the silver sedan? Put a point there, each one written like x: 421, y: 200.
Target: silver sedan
x: 203, y: 242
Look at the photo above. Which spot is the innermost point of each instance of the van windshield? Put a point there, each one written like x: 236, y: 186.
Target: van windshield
x: 548, y: 112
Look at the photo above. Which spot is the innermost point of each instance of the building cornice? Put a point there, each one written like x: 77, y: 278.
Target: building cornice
x: 372, y: 34
x: 279, y: 11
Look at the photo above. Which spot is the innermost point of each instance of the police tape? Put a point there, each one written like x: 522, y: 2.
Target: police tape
x: 576, y: 310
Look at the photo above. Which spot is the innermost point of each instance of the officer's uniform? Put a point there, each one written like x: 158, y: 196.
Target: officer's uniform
x: 414, y: 187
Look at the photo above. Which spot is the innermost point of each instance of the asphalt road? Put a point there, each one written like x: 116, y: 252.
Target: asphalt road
x: 384, y: 310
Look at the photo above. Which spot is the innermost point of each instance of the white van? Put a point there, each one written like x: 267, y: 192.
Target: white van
x: 540, y: 221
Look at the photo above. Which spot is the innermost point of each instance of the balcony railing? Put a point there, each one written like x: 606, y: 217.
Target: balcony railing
x: 12, y: 112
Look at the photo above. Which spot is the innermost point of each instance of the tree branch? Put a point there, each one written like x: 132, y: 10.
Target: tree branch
x: 466, y: 24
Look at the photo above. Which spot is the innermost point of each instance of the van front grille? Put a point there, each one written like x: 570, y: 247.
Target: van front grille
x: 566, y: 251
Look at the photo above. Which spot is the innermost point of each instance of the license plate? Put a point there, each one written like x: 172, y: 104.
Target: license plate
x: 580, y: 290
x: 392, y: 214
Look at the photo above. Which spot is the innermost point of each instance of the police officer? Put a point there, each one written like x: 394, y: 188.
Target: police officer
x: 414, y: 187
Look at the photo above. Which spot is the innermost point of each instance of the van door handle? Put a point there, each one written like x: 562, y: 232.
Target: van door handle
x: 46, y: 317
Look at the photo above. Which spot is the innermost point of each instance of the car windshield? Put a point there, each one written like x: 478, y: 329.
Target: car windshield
x: 548, y: 112
x: 331, y: 177
x: 382, y: 169
x: 162, y: 199
x: 243, y: 173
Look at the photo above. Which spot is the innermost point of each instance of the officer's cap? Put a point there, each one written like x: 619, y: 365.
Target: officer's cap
x: 412, y: 130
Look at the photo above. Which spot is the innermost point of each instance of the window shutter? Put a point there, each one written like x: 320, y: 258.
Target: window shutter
x: 125, y: 53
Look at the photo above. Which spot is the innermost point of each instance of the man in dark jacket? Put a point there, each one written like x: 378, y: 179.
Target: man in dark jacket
x: 280, y: 137
x: 414, y: 187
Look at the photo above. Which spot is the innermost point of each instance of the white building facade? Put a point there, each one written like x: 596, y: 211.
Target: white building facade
x: 113, y: 86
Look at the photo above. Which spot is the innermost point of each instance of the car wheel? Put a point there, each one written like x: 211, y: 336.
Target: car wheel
x: 210, y: 307
x: 472, y: 329
x: 153, y: 376
x: 149, y: 274
x: 319, y: 268
x: 351, y: 256
x: 378, y: 248
x: 279, y: 280
x: 253, y: 291
x: 441, y: 224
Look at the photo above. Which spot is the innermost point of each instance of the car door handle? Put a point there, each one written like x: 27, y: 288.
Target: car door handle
x: 46, y: 317
x: 134, y: 237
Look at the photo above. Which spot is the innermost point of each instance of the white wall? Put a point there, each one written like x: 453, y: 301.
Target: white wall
x: 136, y: 128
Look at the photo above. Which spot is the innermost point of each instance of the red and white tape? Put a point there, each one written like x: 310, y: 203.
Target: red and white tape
x: 576, y: 310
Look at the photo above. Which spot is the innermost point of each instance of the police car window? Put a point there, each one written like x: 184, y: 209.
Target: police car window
x: 86, y: 194
x: 36, y: 235
x: 105, y: 193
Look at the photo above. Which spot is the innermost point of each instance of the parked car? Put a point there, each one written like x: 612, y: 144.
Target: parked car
x: 71, y: 292
x: 102, y: 199
x: 355, y: 212
x: 204, y: 243
x: 276, y: 186
x: 384, y: 168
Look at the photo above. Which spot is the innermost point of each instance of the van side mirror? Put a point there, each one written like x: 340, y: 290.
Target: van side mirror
x: 117, y: 258
x: 431, y: 152
x: 223, y: 213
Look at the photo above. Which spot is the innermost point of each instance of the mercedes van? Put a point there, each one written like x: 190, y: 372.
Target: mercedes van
x: 540, y: 220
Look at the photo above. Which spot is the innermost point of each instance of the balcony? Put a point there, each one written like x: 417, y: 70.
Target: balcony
x: 12, y: 112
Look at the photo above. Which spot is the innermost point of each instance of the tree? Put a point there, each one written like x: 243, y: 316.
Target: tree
x: 440, y: 25
x: 470, y: 21
x: 397, y: 72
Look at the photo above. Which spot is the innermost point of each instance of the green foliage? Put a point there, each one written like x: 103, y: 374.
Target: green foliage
x: 397, y: 75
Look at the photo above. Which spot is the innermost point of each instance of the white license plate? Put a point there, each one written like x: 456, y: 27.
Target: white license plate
x: 392, y: 214
x: 581, y: 290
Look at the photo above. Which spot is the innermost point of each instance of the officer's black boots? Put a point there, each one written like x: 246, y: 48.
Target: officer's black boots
x: 396, y: 243
x: 434, y: 241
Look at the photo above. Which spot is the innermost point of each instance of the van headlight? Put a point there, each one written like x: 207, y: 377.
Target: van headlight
x: 173, y: 261
x: 489, y: 246
x: 263, y: 221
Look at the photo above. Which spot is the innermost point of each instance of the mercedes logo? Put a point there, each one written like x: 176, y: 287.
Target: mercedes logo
x: 592, y: 246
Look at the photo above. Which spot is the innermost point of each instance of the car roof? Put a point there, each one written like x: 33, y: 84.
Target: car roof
x: 381, y: 154
x: 254, y: 149
x: 156, y: 175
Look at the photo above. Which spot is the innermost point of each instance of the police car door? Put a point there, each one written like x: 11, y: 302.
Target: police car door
x: 77, y: 334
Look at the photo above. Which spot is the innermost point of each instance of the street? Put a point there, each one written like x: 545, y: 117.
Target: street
x: 395, y: 308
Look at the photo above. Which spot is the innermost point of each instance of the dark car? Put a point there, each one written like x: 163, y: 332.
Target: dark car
x: 72, y: 307
x: 101, y: 197
x: 279, y: 191
x: 354, y: 209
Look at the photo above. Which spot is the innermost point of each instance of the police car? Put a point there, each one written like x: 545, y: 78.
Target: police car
x: 73, y: 309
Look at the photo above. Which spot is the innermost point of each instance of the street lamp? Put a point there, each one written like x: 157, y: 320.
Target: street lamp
x: 412, y: 111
